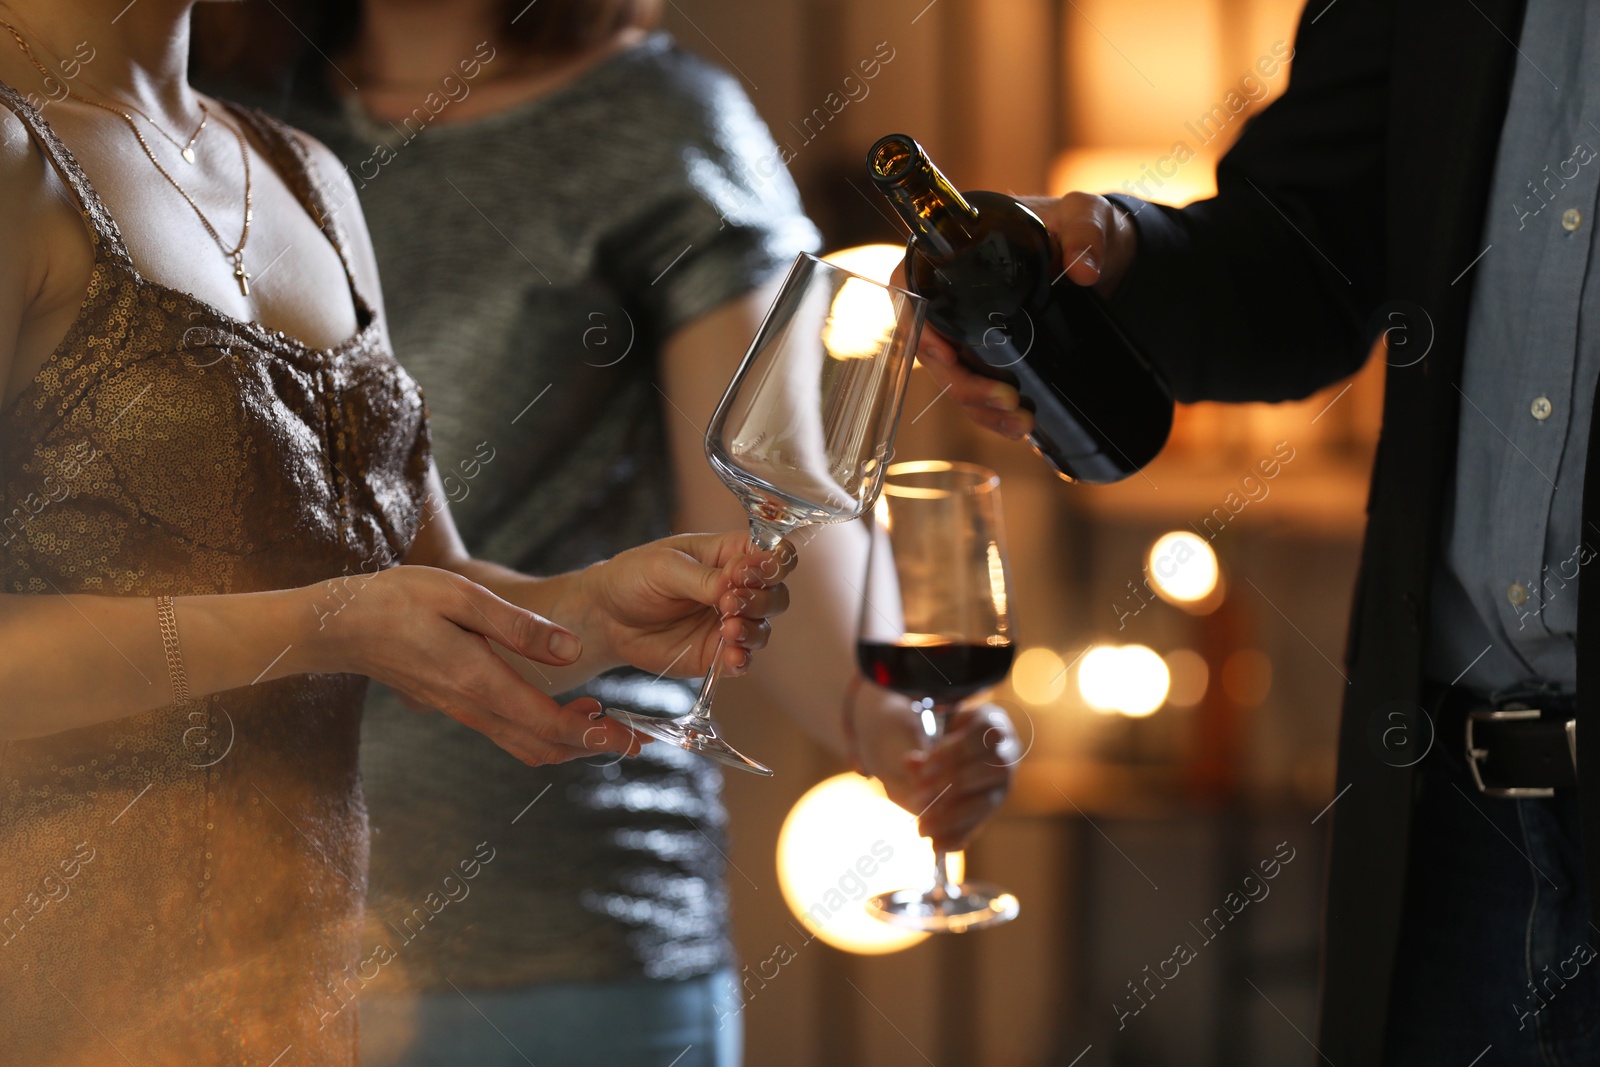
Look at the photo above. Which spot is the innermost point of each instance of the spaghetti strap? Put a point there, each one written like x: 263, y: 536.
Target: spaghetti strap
x: 107, y: 237
x: 294, y: 164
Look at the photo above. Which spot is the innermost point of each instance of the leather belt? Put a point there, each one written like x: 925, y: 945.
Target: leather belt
x: 1515, y: 746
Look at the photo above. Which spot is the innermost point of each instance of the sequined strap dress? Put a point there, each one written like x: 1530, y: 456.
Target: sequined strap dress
x: 185, y: 886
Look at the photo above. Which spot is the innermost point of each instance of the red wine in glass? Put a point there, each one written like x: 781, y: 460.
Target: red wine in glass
x: 936, y: 627
x: 944, y: 672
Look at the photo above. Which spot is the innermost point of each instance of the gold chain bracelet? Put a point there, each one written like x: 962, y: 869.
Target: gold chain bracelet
x: 169, y: 641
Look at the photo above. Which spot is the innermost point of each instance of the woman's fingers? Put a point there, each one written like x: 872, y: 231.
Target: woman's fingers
x: 962, y: 781
x: 980, y: 737
x: 754, y: 603
x: 431, y: 638
x: 535, y: 729
x: 707, y: 566
x: 952, y: 823
x: 415, y: 705
x: 472, y: 607
x: 761, y: 570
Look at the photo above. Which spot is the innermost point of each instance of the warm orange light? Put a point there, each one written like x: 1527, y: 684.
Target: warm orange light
x: 1129, y: 679
x: 1182, y: 568
x: 843, y: 842
x: 1190, y: 677
x: 876, y: 261
x: 1039, y: 676
x: 1155, y: 173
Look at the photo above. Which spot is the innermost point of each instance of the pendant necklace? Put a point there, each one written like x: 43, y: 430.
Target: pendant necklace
x: 235, y: 255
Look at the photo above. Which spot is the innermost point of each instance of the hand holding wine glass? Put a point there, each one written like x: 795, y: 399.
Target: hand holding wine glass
x: 649, y: 604
x: 803, y: 432
x: 936, y: 627
x: 954, y: 787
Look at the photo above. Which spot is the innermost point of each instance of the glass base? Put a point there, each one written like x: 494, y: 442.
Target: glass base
x: 975, y: 905
x: 692, y: 735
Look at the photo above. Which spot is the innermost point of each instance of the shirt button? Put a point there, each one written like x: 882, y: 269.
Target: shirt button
x: 1541, y: 408
x: 1571, y: 219
x: 1517, y: 594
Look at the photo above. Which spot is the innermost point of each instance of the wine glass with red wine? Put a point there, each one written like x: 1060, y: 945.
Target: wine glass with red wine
x: 936, y: 627
x: 802, y: 435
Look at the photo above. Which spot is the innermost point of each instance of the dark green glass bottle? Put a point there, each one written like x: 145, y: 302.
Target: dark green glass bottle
x: 995, y: 288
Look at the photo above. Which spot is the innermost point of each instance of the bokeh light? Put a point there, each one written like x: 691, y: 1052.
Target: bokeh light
x: 1182, y: 567
x: 1130, y: 679
x: 1190, y: 677
x: 843, y: 842
x: 861, y: 318
x: 875, y: 261
x: 1039, y: 676
x: 860, y: 321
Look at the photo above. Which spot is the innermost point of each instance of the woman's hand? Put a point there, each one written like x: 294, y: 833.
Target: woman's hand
x: 662, y: 606
x: 954, y: 787
x: 1096, y: 242
x: 426, y: 633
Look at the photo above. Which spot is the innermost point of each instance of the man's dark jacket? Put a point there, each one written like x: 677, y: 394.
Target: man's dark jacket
x: 1365, y: 184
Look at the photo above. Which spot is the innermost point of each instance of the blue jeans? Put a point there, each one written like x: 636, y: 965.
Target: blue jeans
x: 1496, y: 950
x: 638, y: 1023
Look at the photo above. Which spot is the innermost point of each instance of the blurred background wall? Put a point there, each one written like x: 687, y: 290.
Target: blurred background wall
x: 1126, y: 832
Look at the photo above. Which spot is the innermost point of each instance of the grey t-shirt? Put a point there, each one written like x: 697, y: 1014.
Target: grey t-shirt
x: 533, y: 262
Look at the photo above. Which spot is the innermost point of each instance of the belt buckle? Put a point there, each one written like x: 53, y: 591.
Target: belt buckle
x: 1513, y: 713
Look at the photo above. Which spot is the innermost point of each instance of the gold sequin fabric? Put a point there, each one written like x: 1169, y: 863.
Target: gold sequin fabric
x: 185, y: 886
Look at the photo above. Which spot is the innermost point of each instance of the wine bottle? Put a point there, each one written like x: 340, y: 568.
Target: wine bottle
x: 996, y: 288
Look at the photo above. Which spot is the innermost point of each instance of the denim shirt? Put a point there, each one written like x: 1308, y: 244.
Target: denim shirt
x: 1504, y: 607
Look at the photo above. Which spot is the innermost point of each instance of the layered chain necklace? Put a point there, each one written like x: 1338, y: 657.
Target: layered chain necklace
x: 235, y: 254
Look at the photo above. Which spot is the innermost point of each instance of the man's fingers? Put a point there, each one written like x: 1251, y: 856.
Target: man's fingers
x: 934, y: 349
x: 1095, y: 238
x: 968, y: 388
x: 472, y: 607
x: 992, y: 404
x: 1014, y: 424
x: 1079, y: 224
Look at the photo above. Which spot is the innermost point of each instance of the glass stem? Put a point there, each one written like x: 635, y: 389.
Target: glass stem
x: 763, y: 537
x: 933, y: 720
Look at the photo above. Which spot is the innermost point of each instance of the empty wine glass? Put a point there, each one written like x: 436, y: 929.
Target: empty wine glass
x: 936, y: 627
x: 803, y: 433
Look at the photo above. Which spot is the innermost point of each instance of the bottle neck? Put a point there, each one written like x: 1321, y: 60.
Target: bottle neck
x: 942, y: 221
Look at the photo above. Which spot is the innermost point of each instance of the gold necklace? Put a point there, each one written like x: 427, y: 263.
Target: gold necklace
x: 234, y: 254
x: 186, y: 149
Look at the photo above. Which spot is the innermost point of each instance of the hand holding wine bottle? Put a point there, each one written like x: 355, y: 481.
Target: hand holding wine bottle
x: 998, y: 288
x: 1096, y: 242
